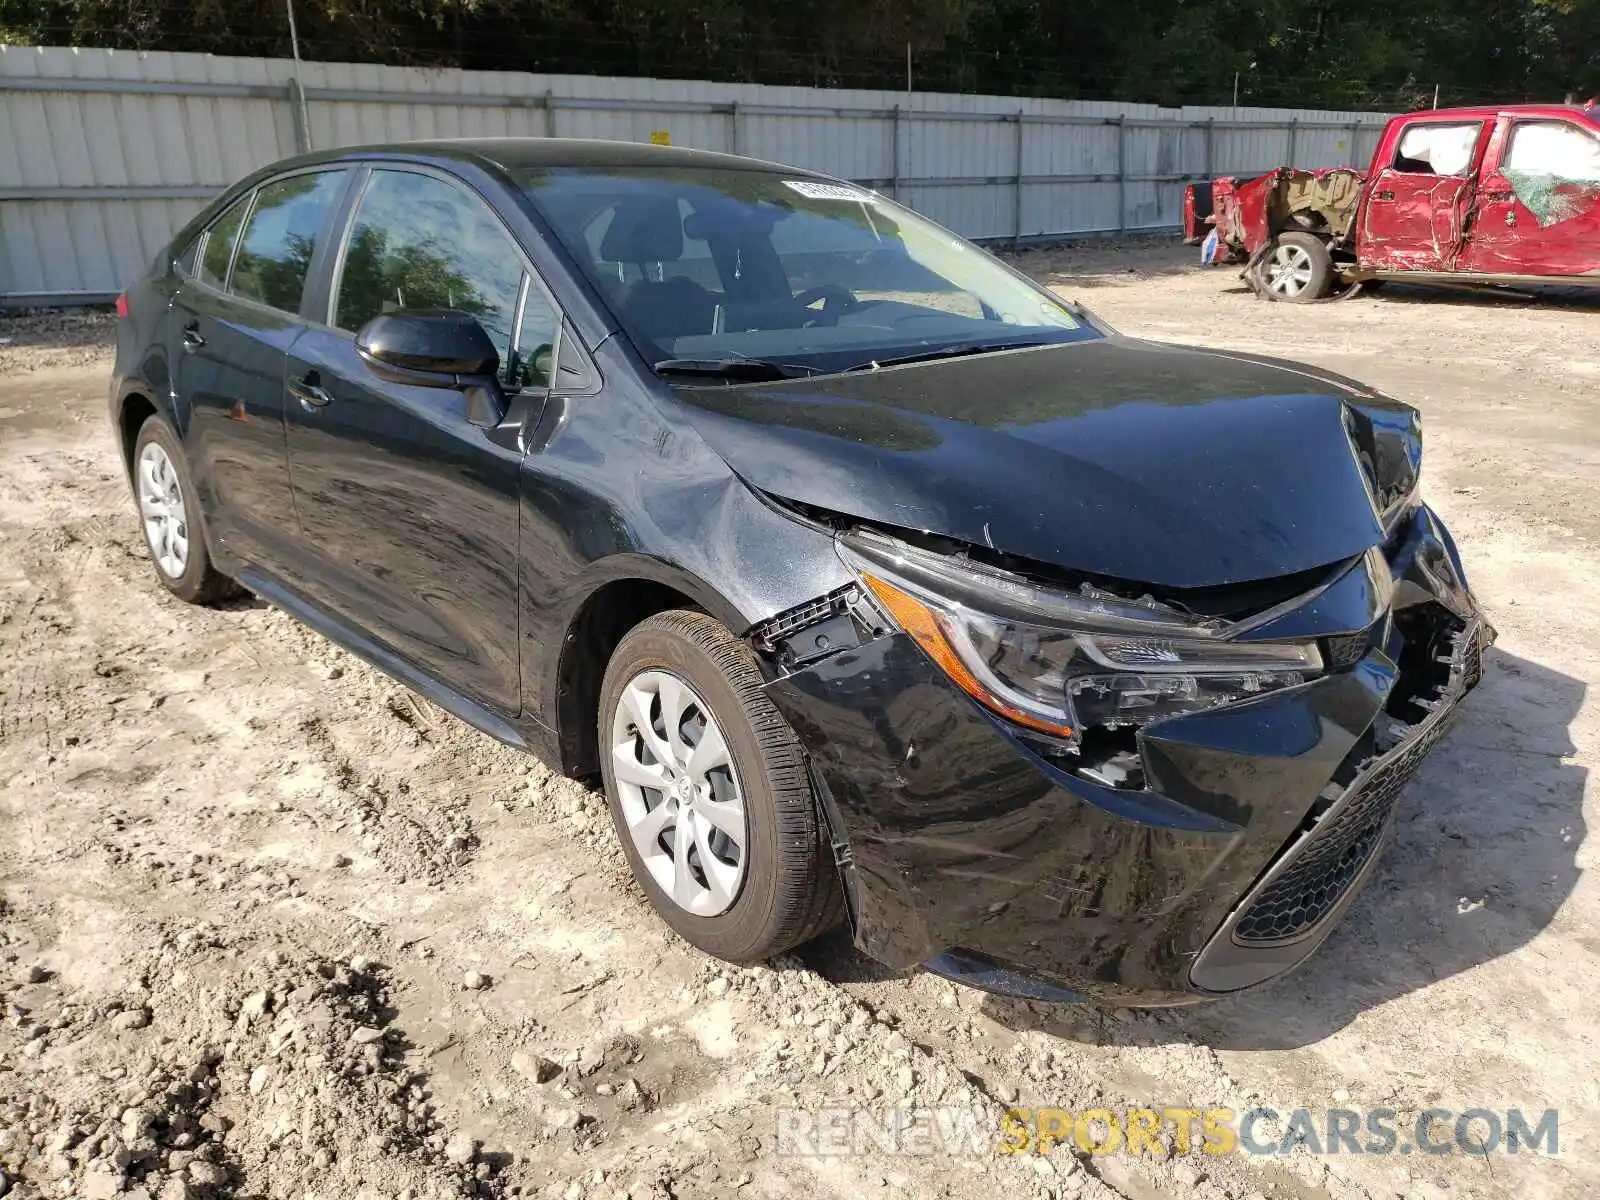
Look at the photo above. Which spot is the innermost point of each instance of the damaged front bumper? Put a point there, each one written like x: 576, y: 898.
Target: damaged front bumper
x: 968, y: 848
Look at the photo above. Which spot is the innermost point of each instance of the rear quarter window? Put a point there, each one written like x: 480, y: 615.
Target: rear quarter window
x: 218, y: 243
x: 189, y: 257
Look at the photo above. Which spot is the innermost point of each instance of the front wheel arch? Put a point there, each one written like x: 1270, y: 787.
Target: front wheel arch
x: 631, y: 590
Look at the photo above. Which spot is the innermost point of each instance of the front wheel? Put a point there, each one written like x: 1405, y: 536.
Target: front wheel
x: 709, y: 792
x: 1297, y: 268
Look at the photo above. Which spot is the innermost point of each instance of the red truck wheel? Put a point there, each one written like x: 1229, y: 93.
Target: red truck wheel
x: 1297, y: 268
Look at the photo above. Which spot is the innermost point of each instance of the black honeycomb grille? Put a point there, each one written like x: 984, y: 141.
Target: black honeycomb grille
x: 1347, y: 651
x: 1328, y: 861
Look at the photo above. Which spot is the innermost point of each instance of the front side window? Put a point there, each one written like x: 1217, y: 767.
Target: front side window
x: 716, y: 264
x: 281, y: 236
x: 1437, y: 149
x: 420, y: 244
x: 220, y: 241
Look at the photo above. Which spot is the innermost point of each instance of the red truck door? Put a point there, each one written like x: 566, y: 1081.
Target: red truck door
x: 1416, y: 203
x: 1538, y: 207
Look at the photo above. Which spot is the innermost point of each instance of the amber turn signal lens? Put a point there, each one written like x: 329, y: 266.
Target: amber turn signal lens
x: 922, y: 623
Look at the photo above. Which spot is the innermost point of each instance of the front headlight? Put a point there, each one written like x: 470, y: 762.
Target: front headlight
x: 1061, y: 662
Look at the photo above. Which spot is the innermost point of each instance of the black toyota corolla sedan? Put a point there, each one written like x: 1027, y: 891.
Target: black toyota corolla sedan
x: 876, y: 583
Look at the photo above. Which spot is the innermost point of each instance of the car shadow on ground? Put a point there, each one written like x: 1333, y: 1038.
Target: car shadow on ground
x: 1483, y: 857
x: 242, y: 602
x: 1553, y: 297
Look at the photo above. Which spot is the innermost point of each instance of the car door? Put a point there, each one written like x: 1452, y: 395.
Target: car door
x: 1538, y: 210
x: 409, y: 508
x: 1413, y: 216
x: 233, y: 321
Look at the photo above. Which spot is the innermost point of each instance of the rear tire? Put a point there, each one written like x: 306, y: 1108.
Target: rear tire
x: 1296, y: 268
x: 756, y: 877
x: 169, y: 512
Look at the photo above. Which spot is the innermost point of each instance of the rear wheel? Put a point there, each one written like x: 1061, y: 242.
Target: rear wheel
x: 1297, y: 268
x: 709, y: 792
x: 169, y: 512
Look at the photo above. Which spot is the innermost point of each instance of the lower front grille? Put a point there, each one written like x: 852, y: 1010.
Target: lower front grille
x: 1319, y: 870
x: 1333, y: 854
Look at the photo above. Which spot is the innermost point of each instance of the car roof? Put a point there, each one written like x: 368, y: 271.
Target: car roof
x: 1486, y: 111
x: 511, y: 154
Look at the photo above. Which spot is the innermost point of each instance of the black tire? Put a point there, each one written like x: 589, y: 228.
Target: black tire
x: 199, y: 582
x: 790, y: 890
x: 1317, y: 258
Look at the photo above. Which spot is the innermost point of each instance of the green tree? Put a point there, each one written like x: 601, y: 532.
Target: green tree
x: 1299, y: 53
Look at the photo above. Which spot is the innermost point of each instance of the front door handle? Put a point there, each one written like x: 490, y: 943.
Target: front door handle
x: 311, y: 394
x: 192, y: 340
x: 1384, y: 195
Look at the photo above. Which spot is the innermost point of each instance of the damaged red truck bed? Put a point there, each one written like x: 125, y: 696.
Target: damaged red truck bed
x: 1469, y: 195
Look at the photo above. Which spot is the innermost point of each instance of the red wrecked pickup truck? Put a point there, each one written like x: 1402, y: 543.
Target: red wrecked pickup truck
x: 1468, y: 195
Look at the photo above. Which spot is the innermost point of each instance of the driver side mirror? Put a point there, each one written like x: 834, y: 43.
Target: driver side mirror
x: 436, y: 350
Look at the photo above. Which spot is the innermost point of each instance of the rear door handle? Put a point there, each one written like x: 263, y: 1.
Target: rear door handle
x: 311, y: 394
x: 192, y: 340
x: 1384, y: 196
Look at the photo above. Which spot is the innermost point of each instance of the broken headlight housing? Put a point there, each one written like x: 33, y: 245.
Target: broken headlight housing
x: 1058, y: 662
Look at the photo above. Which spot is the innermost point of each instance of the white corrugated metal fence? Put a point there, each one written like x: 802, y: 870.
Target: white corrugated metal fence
x: 105, y: 153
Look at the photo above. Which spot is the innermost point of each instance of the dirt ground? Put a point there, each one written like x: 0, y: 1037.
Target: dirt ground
x: 272, y: 926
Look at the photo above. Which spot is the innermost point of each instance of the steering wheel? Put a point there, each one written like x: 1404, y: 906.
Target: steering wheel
x: 836, y: 301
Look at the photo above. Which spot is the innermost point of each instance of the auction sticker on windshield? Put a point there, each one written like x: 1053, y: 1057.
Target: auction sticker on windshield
x: 815, y: 190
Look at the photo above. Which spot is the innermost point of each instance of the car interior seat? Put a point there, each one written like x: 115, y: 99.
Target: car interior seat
x: 647, y: 232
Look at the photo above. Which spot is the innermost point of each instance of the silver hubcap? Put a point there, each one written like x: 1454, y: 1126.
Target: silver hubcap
x: 679, y: 793
x: 1289, y: 270
x: 166, y: 522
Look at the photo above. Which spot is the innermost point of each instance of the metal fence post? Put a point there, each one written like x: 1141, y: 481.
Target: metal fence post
x: 733, y: 129
x: 549, y: 113
x: 1122, y: 172
x: 297, y: 91
x: 1211, y: 148
x: 1016, y: 221
x: 894, y: 150
x: 1355, y: 145
x: 299, y: 115
x: 1294, y: 138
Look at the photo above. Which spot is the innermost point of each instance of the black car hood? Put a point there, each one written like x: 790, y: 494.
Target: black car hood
x: 1158, y: 464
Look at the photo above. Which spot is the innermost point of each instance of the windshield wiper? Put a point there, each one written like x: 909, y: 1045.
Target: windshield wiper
x: 957, y: 350
x: 754, y: 369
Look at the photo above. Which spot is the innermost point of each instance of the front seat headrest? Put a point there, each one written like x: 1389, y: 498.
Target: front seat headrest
x: 644, y: 229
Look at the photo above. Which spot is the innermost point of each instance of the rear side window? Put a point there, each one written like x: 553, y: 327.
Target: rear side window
x: 220, y: 239
x: 281, y: 236
x: 419, y: 244
x: 1556, y: 149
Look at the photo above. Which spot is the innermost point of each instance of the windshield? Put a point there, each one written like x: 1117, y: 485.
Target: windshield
x: 707, y: 266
